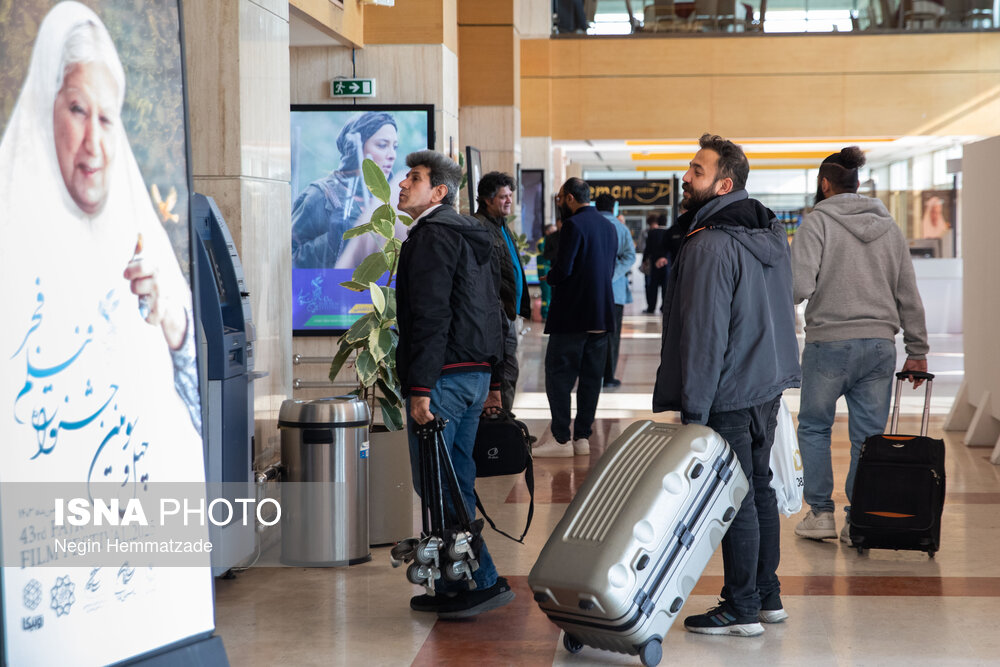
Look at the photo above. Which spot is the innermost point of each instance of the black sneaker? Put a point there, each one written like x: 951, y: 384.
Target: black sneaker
x: 771, y: 609
x: 471, y: 603
x: 430, y: 602
x: 722, y: 620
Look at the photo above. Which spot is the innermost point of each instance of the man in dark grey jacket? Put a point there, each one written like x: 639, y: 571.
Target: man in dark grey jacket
x: 729, y: 350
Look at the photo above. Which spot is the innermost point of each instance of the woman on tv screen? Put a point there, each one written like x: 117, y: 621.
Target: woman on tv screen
x: 331, y: 205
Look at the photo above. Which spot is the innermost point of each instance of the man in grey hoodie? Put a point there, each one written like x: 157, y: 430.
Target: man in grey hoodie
x: 851, y: 261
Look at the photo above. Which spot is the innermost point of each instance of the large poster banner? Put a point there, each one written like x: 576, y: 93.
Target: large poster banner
x: 98, y: 369
x: 329, y: 143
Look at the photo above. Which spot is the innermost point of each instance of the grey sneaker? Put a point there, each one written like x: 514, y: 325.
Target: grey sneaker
x: 845, y: 535
x: 581, y: 447
x: 817, y: 526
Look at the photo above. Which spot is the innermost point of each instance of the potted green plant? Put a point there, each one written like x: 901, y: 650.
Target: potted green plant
x: 372, y: 338
x: 372, y: 341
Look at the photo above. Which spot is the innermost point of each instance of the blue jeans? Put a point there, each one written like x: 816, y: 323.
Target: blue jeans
x: 458, y: 398
x: 859, y: 369
x: 569, y: 356
x: 751, y: 548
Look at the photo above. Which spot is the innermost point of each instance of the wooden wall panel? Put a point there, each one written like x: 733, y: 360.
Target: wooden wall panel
x: 412, y: 22
x: 782, y: 86
x: 488, y: 56
x: 486, y: 12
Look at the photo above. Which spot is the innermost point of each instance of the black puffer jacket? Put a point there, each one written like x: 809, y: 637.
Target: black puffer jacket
x: 505, y: 264
x: 447, y: 307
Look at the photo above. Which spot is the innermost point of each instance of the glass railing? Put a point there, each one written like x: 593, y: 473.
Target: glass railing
x: 627, y: 17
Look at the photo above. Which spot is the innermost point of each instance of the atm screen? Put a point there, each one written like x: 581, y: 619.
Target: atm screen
x: 219, y: 284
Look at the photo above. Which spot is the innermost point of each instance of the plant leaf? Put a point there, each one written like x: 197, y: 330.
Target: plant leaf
x: 338, y: 360
x: 359, y: 230
x: 379, y: 343
x: 357, y: 287
x: 371, y: 269
x: 392, y: 415
x: 389, y: 312
x: 384, y: 221
x: 405, y: 219
x: 378, y: 298
x: 375, y: 180
x: 390, y: 392
x: 367, y: 368
x: 361, y: 329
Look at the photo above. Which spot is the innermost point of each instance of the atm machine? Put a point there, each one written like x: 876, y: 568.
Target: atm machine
x: 227, y: 346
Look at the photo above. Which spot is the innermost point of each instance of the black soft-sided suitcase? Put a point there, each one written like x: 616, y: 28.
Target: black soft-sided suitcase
x: 899, y: 486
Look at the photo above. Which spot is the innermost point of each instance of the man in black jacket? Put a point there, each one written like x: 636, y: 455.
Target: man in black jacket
x: 729, y: 350
x: 449, y: 345
x: 580, y: 318
x: 496, y: 194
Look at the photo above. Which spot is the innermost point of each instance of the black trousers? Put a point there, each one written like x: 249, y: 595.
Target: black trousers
x: 570, y: 356
x: 614, y: 343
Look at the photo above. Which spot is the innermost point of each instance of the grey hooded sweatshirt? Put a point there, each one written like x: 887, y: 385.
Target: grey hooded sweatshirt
x: 849, y: 258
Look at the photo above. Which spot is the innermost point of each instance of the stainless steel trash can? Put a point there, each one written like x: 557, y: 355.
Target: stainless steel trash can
x: 324, y: 498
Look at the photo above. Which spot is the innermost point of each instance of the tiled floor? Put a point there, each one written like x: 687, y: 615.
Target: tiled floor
x: 884, y: 608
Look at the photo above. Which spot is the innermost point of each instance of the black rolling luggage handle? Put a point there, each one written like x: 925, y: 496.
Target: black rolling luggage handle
x: 916, y: 375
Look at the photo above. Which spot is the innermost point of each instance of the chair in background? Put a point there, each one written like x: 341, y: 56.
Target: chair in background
x: 705, y: 15
x: 726, y: 18
x: 920, y: 14
x: 954, y: 13
x: 979, y: 10
x: 661, y: 16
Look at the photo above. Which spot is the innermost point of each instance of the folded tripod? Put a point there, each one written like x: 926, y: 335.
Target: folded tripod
x: 450, y: 541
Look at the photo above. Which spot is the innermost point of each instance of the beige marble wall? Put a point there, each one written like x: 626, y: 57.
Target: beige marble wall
x: 496, y: 132
x: 533, y: 19
x: 404, y: 74
x: 238, y: 96
x: 536, y: 153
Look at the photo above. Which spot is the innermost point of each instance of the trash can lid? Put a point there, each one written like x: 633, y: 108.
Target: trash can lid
x: 337, y: 411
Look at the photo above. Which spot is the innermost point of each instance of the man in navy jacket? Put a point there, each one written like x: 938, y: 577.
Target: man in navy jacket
x: 581, y: 316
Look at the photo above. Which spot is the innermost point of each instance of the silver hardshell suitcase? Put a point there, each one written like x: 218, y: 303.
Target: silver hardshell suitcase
x: 632, y: 544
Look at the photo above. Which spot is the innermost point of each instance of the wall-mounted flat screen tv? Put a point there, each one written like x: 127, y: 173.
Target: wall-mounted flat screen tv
x: 329, y: 197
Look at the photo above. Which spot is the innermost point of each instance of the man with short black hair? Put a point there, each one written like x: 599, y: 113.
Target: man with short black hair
x: 729, y: 350
x: 580, y: 317
x: 622, y: 293
x: 852, y: 262
x: 495, y: 195
x: 449, y: 344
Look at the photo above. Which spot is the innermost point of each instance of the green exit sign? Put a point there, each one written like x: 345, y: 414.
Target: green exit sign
x: 352, y: 88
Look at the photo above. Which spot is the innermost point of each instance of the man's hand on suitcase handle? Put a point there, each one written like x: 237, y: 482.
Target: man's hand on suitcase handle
x: 915, y: 365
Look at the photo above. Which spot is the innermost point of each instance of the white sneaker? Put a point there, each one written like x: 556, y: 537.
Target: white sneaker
x: 552, y: 449
x: 845, y: 535
x: 581, y: 447
x: 817, y: 526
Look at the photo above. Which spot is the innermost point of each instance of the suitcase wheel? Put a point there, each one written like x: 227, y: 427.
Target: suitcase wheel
x: 651, y: 652
x: 572, y: 644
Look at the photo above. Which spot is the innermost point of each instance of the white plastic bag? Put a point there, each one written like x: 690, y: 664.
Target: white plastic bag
x: 786, y: 464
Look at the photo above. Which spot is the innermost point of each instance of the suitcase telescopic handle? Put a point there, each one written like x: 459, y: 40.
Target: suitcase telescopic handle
x: 916, y: 375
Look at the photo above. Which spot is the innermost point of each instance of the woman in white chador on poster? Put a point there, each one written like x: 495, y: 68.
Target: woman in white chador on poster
x: 97, y: 363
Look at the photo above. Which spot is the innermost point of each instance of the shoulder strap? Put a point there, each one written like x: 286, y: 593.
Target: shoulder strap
x: 529, y: 480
